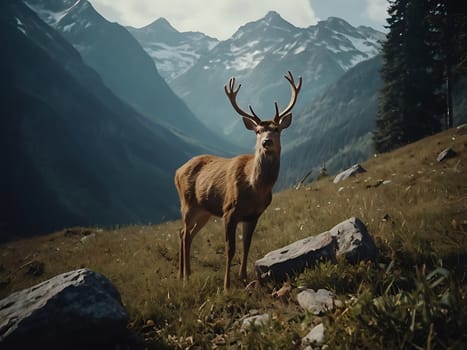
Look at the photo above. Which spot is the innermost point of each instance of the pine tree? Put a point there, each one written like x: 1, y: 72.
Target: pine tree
x: 448, y: 22
x: 389, y: 123
x: 424, y: 99
x: 411, y: 102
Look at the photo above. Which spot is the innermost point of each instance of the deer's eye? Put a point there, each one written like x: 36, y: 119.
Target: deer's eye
x: 276, y: 129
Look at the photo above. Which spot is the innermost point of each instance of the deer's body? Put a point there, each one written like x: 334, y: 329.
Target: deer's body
x: 237, y: 189
x: 243, y: 183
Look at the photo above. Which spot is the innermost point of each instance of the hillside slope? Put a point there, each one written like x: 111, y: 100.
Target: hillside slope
x: 417, y: 218
x: 336, y: 127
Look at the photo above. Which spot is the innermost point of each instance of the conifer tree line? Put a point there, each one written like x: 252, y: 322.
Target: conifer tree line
x: 424, y: 55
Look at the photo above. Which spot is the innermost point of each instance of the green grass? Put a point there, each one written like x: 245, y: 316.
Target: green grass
x: 413, y: 297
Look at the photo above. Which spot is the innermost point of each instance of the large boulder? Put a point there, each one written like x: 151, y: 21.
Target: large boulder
x: 353, y: 241
x: 294, y: 258
x: 349, y: 239
x: 77, y: 309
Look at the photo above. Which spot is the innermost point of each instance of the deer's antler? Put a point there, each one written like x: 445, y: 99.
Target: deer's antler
x: 295, y: 88
x: 231, y: 93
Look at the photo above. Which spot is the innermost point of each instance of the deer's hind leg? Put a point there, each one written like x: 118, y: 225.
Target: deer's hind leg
x: 193, y: 221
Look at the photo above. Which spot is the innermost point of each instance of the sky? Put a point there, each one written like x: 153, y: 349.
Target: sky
x: 221, y: 18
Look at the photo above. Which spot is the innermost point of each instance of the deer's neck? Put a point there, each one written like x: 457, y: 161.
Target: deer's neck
x: 265, y: 170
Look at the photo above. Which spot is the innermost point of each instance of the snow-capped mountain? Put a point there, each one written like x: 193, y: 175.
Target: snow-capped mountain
x: 349, y: 44
x: 172, y: 51
x: 123, y: 65
x: 259, y: 54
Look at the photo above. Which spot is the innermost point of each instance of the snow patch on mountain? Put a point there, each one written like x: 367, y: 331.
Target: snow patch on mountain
x: 20, y: 26
x: 249, y: 60
x: 173, y: 52
x: 173, y: 60
x: 52, y: 17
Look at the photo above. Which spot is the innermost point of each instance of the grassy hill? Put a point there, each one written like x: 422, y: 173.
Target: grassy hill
x: 413, y: 297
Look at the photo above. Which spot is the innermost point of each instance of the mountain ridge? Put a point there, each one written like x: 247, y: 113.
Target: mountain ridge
x: 173, y: 52
x: 75, y: 154
x: 124, y: 66
x: 258, y: 55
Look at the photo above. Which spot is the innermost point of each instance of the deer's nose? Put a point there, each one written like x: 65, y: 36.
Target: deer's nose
x: 267, y: 143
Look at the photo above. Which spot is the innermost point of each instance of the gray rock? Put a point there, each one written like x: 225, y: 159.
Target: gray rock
x: 353, y: 241
x: 446, y: 154
x: 257, y: 320
x: 295, y: 257
x: 317, y: 302
x: 315, y: 337
x: 352, y: 171
x: 350, y: 239
x: 72, y: 310
x: 88, y: 237
x: 461, y: 129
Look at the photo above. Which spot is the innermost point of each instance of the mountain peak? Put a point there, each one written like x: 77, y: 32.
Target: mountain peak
x: 272, y: 15
x: 271, y: 21
x: 160, y: 25
x: 274, y: 18
x: 337, y: 23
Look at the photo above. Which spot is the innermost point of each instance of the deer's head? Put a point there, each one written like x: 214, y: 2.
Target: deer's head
x: 268, y: 131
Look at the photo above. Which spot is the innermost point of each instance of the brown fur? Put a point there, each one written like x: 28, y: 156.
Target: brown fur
x: 237, y: 189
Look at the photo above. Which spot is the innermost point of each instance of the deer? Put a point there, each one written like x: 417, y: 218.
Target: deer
x: 237, y: 189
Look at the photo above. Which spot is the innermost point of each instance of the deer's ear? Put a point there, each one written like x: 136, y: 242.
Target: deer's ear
x: 285, y: 121
x: 249, y: 123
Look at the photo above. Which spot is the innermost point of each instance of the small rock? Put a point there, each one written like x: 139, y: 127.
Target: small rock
x: 352, y: 171
x: 446, y: 154
x: 317, y: 302
x: 461, y: 129
x: 258, y: 320
x: 87, y: 237
x: 315, y: 337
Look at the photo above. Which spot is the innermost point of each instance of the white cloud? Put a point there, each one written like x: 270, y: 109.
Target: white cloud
x: 218, y: 18
x: 377, y: 10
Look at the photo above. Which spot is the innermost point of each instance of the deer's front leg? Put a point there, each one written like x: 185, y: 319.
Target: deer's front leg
x: 230, y: 228
x: 248, y: 229
x: 181, y: 258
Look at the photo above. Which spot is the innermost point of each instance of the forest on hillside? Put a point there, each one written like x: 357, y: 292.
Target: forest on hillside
x: 425, y: 57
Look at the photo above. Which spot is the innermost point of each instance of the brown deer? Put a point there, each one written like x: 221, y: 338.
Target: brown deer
x: 238, y: 189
